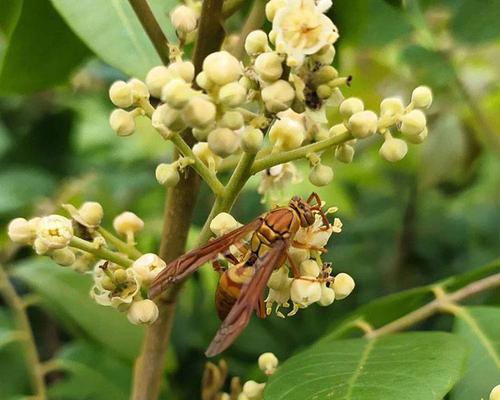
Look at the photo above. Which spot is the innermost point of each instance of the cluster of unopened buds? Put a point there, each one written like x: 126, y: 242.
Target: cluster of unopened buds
x: 79, y: 242
x: 305, y: 279
x: 275, y: 102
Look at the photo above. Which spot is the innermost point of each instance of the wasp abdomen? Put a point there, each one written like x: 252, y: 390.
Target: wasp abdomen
x: 229, y: 288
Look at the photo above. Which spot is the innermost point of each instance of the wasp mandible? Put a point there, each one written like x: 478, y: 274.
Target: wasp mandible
x: 240, y: 289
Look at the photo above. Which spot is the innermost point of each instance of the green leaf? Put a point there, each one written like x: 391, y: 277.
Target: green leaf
x: 410, y: 366
x: 93, y: 373
x: 480, y: 327
x: 11, y: 9
x: 476, y: 21
x: 66, y: 294
x: 111, y: 29
x: 42, y: 51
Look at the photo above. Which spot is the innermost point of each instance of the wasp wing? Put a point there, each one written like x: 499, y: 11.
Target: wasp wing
x: 186, y: 264
x: 240, y: 313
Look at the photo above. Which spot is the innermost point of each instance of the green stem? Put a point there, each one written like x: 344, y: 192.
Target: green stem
x: 101, y: 252
x: 152, y: 28
x: 33, y: 365
x: 280, y: 158
x: 208, y: 176
x: 120, y: 245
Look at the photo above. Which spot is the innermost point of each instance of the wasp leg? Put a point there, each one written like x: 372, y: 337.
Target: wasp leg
x: 304, y: 246
x: 293, y: 266
x: 261, y: 307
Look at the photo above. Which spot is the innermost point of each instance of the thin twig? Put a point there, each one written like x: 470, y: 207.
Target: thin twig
x: 152, y: 28
x: 440, y: 304
x: 33, y: 365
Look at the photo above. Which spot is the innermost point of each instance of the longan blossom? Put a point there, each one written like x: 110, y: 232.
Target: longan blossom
x: 276, y: 179
x: 301, y: 29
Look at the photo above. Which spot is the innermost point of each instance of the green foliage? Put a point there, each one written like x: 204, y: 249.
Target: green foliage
x: 66, y: 295
x: 479, y: 327
x: 476, y: 22
x: 11, y: 9
x: 112, y: 31
x: 42, y: 51
x: 389, y: 368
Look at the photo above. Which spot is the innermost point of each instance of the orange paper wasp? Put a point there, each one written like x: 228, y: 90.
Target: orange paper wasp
x: 240, y: 290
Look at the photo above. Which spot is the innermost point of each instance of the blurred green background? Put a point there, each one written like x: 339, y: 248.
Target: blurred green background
x: 433, y: 215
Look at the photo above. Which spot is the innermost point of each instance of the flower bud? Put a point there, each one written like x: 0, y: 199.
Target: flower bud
x: 363, y: 124
x: 139, y: 89
x: 343, y: 285
x: 156, y: 78
x: 182, y: 69
x: 90, y: 214
x: 324, y: 91
x: 206, y: 156
x: 63, y: 257
x: 203, y: 81
x: 201, y: 135
x: 344, y: 153
x: 325, y: 55
x: 278, y: 96
x: 148, y: 266
x: 321, y: 175
x: 495, y: 393
x: 391, y: 106
x: 413, y: 123
x: 268, y: 66
x: 167, y: 175
x: 251, y: 140
x: 21, y: 231
x: 327, y: 295
x: 53, y: 232
x: 393, y: 149
x: 222, y: 67
x: 232, y: 95
x: 184, y: 19
x: 272, y: 6
x: 253, y: 390
x: 351, y: 106
x: 223, y: 141
x: 121, y: 94
x: 127, y: 222
x: 279, y: 279
x: 232, y: 120
x: 199, y: 112
x: 176, y: 93
x: 421, y: 97
x: 417, y: 139
x: 287, y: 134
x: 309, y: 268
x: 256, y: 43
x: 122, y: 122
x: 142, y: 312
x: 305, y: 292
x: 337, y: 129
x: 223, y: 223
x: 167, y: 120
x: 324, y: 75
x: 268, y: 363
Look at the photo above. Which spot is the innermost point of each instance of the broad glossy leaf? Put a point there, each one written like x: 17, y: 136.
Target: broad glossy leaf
x: 480, y: 328
x: 11, y: 9
x: 66, y: 294
x: 111, y: 29
x: 42, y: 51
x: 410, y: 366
x: 476, y: 21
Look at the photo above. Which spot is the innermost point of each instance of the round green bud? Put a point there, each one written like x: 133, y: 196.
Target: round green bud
x: 324, y: 75
x: 422, y: 97
x: 63, y: 257
x: 167, y: 175
x: 268, y: 66
x: 256, y: 43
x: 327, y: 295
x: 391, y: 106
x: 139, y: 89
x: 223, y: 142
x: 278, y: 96
x: 166, y: 120
x: 199, y: 112
x: 287, y: 134
x: 393, y: 149
x: 232, y: 95
x: 122, y: 122
x: 120, y: 94
x: 182, y: 69
x: 344, y: 153
x: 321, y: 175
x: 351, y: 106
x: 184, y: 19
x: 417, y: 139
x: 232, y: 120
x: 251, y: 140
x: 156, y: 78
x: 176, y: 93
x: 325, y: 55
x: 203, y: 81
x: 343, y: 285
x: 222, y: 67
x: 413, y: 123
x: 324, y: 91
x: 363, y: 124
x: 201, y: 135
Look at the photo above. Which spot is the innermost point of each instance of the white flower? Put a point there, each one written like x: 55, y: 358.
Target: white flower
x: 223, y: 223
x: 304, y: 292
x: 22, y: 231
x: 89, y: 214
x: 148, y: 266
x: 276, y: 179
x: 114, y: 286
x: 53, y: 232
x: 343, y: 285
x: 279, y: 296
x: 268, y: 363
x: 302, y: 29
x: 142, y: 312
x: 279, y: 278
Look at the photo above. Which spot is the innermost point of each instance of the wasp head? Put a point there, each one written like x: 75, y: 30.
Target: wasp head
x: 304, y: 210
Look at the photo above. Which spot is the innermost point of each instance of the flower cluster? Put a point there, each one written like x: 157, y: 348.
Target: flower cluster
x: 304, y: 279
x: 121, y: 274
